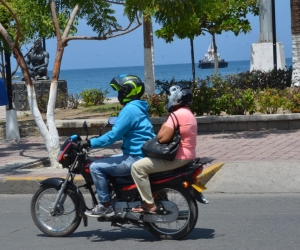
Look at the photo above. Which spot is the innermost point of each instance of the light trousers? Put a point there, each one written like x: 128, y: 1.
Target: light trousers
x: 141, y: 169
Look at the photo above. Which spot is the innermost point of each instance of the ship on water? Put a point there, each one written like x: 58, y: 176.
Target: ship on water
x: 209, y: 59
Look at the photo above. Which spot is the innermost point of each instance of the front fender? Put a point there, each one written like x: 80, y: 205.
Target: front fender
x: 55, y: 182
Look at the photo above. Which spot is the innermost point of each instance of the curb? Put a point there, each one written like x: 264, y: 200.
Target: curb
x: 28, y: 183
x: 27, y: 180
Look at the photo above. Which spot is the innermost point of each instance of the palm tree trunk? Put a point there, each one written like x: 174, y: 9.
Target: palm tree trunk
x: 215, y: 54
x: 295, y: 23
x: 148, y: 57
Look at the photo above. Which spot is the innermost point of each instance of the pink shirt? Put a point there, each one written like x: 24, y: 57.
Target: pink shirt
x: 188, y: 133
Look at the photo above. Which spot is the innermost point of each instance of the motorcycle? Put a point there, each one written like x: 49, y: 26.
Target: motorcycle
x: 58, y: 206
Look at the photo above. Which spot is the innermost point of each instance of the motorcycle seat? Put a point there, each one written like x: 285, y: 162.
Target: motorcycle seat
x: 164, y: 174
x: 160, y: 175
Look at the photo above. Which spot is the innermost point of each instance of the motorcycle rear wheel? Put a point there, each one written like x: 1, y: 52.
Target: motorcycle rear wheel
x: 187, y: 218
x: 61, y: 223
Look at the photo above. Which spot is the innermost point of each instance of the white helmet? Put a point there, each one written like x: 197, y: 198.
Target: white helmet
x: 179, y: 95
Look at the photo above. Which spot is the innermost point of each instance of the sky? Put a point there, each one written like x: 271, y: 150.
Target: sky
x: 128, y: 50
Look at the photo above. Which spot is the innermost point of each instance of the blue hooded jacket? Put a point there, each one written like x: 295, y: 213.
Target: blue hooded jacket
x: 133, y: 126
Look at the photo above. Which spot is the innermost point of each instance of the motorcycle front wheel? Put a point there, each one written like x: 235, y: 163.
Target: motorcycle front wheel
x: 61, y: 222
x: 187, y: 217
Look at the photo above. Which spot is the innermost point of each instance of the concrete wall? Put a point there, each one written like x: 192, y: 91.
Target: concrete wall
x: 206, y: 124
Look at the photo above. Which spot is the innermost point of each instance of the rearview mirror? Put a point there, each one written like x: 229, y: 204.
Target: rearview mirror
x: 112, y: 120
x: 85, y: 127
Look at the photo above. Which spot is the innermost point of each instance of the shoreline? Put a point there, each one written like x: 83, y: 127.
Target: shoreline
x: 111, y: 100
x: 288, y: 59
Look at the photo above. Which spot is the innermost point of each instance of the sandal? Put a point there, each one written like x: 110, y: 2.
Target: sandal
x: 140, y: 209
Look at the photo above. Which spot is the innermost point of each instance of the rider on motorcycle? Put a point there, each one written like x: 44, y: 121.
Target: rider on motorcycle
x: 133, y: 126
x: 179, y: 99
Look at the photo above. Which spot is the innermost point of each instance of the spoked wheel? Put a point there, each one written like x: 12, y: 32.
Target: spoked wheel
x: 187, y: 217
x: 61, y: 222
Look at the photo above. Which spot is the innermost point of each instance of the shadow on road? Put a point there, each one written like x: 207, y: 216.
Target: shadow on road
x: 136, y: 234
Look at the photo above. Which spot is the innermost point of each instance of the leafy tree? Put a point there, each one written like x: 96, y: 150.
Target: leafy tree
x: 33, y: 24
x: 232, y: 17
x: 63, y: 16
x: 188, y: 19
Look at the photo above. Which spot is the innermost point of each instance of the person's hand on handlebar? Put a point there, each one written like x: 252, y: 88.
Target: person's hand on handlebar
x: 75, y: 138
x: 85, y: 144
x: 80, y: 142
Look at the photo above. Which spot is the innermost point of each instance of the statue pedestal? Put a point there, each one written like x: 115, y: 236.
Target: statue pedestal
x: 41, y: 87
x: 262, y: 56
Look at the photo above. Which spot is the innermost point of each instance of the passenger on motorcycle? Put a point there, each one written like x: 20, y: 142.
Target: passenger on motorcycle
x: 133, y: 126
x: 179, y: 99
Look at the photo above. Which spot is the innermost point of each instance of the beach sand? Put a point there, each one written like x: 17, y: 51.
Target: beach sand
x: 61, y: 114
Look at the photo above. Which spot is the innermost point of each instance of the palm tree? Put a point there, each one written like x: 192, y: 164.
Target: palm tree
x: 295, y: 21
x: 148, y: 57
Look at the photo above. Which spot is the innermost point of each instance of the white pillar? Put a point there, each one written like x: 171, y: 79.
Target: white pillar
x: 12, y: 128
x: 265, y: 21
x: 262, y: 52
x: 262, y: 56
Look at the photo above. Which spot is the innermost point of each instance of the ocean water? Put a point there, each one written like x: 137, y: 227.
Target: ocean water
x: 81, y: 79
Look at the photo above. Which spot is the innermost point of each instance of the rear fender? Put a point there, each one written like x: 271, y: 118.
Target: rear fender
x: 198, y: 196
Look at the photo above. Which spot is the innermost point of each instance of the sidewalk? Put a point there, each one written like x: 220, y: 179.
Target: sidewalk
x: 255, y: 162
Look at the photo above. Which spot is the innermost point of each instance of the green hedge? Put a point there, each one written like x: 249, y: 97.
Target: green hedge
x: 236, y: 94
x: 240, y: 94
x: 93, y: 97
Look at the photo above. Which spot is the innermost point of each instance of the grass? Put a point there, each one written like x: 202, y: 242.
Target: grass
x: 103, y: 108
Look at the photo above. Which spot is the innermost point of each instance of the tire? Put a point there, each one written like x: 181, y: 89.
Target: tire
x: 64, y: 222
x: 187, y: 219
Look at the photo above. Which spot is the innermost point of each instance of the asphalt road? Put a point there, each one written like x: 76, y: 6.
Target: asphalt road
x: 229, y: 222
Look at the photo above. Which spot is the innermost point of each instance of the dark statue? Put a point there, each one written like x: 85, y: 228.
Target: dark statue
x: 37, y: 62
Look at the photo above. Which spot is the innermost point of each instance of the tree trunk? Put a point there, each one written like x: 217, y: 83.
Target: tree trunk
x: 48, y: 130
x: 295, y: 23
x: 51, y: 138
x: 1, y: 63
x: 148, y: 57
x: 215, y: 54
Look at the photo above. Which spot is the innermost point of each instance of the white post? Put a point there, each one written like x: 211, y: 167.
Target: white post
x: 12, y: 128
x: 262, y: 52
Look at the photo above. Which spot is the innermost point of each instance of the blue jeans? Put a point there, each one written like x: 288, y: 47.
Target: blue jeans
x: 116, y: 165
